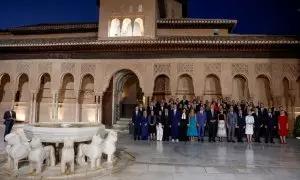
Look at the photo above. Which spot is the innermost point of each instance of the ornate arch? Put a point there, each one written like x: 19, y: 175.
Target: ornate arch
x: 107, y: 79
x: 62, y: 76
x: 82, y: 76
x: 266, y: 76
x: 242, y: 75
x: 191, y: 78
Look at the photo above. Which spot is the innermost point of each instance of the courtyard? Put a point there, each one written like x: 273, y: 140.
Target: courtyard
x: 205, y: 161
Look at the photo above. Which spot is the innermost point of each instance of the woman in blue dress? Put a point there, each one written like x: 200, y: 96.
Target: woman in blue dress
x: 192, y: 126
x: 144, y: 122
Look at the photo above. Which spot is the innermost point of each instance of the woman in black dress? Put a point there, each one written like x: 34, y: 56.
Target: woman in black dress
x: 152, y: 126
x: 183, y: 126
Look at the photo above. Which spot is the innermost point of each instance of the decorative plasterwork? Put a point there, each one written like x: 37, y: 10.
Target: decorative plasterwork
x: 291, y: 70
x: 162, y: 69
x: 5, y: 68
x: 185, y: 68
x: 263, y: 68
x: 67, y: 67
x: 88, y: 68
x: 23, y: 68
x: 239, y: 68
x: 45, y: 67
x: 212, y: 68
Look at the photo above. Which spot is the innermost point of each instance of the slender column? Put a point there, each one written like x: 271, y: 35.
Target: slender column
x: 53, y: 106
x: 13, y: 99
x: 31, y: 109
x: 77, y: 119
x: 96, y: 108
x: 100, y: 109
x: 34, y: 108
x: 113, y: 120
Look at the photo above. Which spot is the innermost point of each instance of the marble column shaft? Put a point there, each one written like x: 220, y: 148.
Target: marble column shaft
x: 77, y: 119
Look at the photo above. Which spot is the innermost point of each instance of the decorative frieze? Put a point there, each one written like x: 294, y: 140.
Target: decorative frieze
x: 263, y: 68
x: 292, y: 71
x: 185, y: 68
x: 162, y: 69
x: 239, y: 68
x: 45, y: 67
x: 5, y: 68
x: 67, y: 68
x: 23, y: 68
x: 88, y: 68
x: 212, y: 68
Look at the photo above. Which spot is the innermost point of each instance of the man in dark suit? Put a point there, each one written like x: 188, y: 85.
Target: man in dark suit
x: 184, y: 101
x: 211, y: 116
x: 175, y: 123
x: 166, y: 121
x: 270, y: 126
x: 241, y: 123
x: 9, y: 120
x: 258, y: 124
x: 136, y: 122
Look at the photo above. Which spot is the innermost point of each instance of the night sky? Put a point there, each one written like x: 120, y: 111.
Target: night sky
x: 254, y: 16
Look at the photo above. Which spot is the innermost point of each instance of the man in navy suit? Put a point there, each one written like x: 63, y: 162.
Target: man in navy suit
x: 212, y: 123
x: 270, y: 126
x: 9, y: 120
x: 241, y: 123
x: 201, y: 123
x: 136, y: 122
x: 175, y: 123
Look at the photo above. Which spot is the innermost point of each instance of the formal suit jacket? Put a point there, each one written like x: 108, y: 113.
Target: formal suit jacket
x: 258, y: 119
x: 231, y: 119
x: 270, y: 122
x: 241, y: 121
x: 201, y: 118
x: 9, y: 116
x: 211, y: 116
x: 166, y: 120
x: 175, y: 118
x: 136, y: 118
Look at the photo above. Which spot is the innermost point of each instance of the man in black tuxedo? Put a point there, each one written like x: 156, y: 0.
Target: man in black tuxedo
x: 136, y: 122
x: 270, y: 126
x: 166, y: 121
x: 9, y: 120
x: 241, y: 124
x: 258, y: 124
x: 211, y: 116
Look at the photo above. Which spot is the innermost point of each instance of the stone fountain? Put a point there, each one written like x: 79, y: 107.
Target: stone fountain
x: 70, y: 150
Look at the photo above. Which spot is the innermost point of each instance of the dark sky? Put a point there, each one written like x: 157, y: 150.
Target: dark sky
x: 254, y: 16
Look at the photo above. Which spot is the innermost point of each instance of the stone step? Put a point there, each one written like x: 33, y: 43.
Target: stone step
x: 125, y: 119
x: 123, y: 122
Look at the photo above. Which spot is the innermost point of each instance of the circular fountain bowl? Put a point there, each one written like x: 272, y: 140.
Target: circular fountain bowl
x: 57, y: 132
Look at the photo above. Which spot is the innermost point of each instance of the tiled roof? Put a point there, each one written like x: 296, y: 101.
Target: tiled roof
x: 218, y: 40
x: 93, y: 26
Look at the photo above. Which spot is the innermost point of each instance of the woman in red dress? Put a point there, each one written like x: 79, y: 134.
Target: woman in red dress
x: 283, y: 126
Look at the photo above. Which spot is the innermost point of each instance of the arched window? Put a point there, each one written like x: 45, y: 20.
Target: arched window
x: 115, y: 28
x: 140, y: 8
x: 138, y: 28
x: 126, y: 27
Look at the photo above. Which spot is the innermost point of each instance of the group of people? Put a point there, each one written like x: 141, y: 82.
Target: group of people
x: 185, y: 120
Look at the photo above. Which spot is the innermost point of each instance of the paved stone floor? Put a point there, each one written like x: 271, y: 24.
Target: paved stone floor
x: 208, y: 161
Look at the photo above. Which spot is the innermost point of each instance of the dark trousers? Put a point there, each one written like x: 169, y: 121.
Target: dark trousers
x: 269, y: 135
x: 240, y: 133
x: 183, y: 132
x: 212, y: 128
x: 8, y: 126
x: 166, y: 133
x: 257, y: 133
x: 137, y: 132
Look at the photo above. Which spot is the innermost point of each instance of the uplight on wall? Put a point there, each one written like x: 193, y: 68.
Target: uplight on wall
x: 21, y: 116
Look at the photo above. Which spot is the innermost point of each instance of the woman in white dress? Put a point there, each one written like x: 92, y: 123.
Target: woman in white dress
x: 249, y: 126
x: 221, y: 125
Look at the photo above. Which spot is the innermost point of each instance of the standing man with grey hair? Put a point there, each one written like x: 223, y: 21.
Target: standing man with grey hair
x: 9, y: 120
x: 231, y: 124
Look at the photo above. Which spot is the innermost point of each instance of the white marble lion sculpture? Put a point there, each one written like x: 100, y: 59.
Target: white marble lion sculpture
x: 67, y: 155
x: 38, y: 154
x: 93, y: 151
x: 109, y: 147
x: 17, y: 148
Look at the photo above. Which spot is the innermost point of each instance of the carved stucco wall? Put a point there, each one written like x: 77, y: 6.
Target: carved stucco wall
x: 146, y: 71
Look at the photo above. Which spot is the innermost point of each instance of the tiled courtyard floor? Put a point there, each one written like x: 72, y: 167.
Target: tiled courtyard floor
x: 208, y: 161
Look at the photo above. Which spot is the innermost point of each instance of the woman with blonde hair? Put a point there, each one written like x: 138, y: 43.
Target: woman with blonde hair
x: 249, y: 126
x: 192, y: 126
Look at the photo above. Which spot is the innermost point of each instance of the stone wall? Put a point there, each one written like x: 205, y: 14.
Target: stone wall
x: 272, y: 81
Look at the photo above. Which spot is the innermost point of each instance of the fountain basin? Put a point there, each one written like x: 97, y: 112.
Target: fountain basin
x: 56, y: 132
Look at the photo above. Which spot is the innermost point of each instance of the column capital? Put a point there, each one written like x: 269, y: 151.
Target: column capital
x: 34, y: 91
x: 54, y: 91
x: 97, y: 93
x: 292, y: 92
